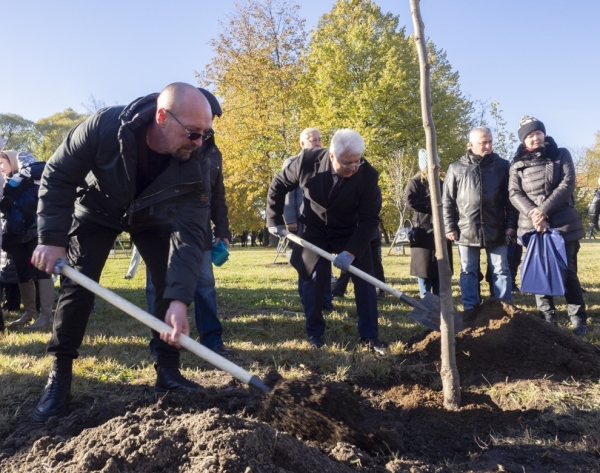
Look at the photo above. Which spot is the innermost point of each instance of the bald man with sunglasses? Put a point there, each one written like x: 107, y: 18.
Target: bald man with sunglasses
x: 136, y: 169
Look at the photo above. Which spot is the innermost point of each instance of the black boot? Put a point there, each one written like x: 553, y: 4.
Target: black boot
x: 55, y: 397
x: 171, y: 379
x: 579, y: 326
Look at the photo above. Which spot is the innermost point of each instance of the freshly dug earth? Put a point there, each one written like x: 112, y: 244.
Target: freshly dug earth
x: 316, y: 426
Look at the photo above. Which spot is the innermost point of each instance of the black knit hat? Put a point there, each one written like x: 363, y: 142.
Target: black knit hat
x: 528, y: 125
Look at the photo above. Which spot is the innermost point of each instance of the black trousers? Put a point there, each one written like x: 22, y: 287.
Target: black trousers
x: 573, y: 292
x: 89, y: 246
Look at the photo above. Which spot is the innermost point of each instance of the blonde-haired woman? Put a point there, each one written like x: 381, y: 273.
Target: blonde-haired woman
x: 19, y: 237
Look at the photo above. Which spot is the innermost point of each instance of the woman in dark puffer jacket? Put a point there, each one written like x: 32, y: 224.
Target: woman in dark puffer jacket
x: 542, y: 181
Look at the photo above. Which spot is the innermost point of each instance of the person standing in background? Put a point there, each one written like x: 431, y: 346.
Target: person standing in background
x: 542, y: 182
x: 423, y: 263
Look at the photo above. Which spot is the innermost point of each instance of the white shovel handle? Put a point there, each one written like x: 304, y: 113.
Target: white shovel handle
x: 160, y: 326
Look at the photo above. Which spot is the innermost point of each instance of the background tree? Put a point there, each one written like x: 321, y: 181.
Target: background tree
x: 52, y: 131
x: 587, y: 165
x: 18, y: 133
x: 362, y: 72
x: 254, y: 73
x: 93, y: 104
x: 489, y: 114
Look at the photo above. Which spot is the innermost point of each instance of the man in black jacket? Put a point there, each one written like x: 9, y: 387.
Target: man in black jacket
x: 478, y: 214
x: 137, y: 169
x: 339, y: 214
x: 205, y: 298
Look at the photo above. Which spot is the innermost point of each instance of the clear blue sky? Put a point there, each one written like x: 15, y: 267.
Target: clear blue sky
x: 535, y: 57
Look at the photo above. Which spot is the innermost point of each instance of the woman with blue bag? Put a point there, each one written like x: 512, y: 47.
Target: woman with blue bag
x: 541, y: 186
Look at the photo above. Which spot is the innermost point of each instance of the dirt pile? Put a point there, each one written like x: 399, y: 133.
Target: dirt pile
x: 503, y: 342
x: 392, y: 425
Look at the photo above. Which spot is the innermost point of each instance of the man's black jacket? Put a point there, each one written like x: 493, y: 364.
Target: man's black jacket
x: 92, y: 175
x: 347, y: 223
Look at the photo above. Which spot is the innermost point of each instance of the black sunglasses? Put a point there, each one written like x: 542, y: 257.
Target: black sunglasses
x: 193, y: 136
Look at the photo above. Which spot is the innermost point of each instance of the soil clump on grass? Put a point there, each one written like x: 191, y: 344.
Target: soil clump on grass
x: 395, y: 423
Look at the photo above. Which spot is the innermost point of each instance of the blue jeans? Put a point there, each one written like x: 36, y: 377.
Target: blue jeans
x: 428, y: 285
x: 205, y: 304
x: 469, y: 273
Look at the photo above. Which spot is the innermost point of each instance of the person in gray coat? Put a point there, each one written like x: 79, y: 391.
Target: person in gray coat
x: 542, y: 182
x: 478, y: 214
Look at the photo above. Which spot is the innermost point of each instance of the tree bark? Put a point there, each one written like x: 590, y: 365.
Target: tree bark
x: 449, y: 371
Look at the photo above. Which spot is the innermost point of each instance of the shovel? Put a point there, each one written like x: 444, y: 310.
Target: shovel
x: 160, y: 326
x: 426, y: 311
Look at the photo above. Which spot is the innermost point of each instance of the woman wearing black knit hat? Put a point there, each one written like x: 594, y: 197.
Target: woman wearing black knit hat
x: 541, y: 186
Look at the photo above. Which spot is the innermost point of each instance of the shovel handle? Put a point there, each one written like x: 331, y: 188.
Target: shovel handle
x: 361, y: 274
x: 160, y: 326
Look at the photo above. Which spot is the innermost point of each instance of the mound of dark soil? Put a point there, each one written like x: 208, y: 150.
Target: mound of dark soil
x: 503, y: 342
x: 395, y: 425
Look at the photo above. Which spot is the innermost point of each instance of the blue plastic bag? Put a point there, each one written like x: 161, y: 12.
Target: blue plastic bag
x: 544, y: 268
x: 219, y: 253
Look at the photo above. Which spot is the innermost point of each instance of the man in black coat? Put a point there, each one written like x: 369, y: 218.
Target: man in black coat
x: 137, y: 169
x: 339, y: 215
x: 478, y: 214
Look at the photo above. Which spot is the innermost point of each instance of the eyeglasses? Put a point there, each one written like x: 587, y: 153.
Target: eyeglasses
x: 193, y: 136
x: 352, y: 165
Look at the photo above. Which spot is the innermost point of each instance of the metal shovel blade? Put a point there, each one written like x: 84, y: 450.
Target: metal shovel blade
x: 426, y: 311
x: 147, y: 319
x: 429, y: 313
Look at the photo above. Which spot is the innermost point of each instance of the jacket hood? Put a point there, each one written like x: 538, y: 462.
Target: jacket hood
x: 139, y: 108
x: 12, y: 157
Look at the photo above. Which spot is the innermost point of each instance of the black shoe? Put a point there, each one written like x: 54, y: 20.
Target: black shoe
x: 127, y: 276
x: 375, y: 345
x: 55, y: 397
x: 328, y: 306
x: 316, y: 341
x: 222, y: 350
x: 171, y: 379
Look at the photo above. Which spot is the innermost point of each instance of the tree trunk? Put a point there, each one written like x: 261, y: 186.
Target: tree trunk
x: 449, y: 371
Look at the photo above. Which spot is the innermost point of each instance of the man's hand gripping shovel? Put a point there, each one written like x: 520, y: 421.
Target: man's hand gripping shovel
x: 426, y: 311
x: 160, y: 326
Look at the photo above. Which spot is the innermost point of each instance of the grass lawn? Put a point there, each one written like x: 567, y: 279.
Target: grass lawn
x: 255, y: 301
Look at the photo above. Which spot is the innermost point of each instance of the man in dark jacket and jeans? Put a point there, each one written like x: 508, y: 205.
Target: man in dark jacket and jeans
x: 542, y: 182
x: 136, y: 169
x: 340, y: 215
x: 478, y: 214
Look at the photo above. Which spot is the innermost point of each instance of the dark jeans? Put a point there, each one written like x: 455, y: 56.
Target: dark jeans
x: 365, y: 296
x: 89, y: 246
x: 573, y: 293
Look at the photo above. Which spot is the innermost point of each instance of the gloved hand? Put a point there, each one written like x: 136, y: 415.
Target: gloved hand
x: 277, y: 230
x: 343, y: 260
